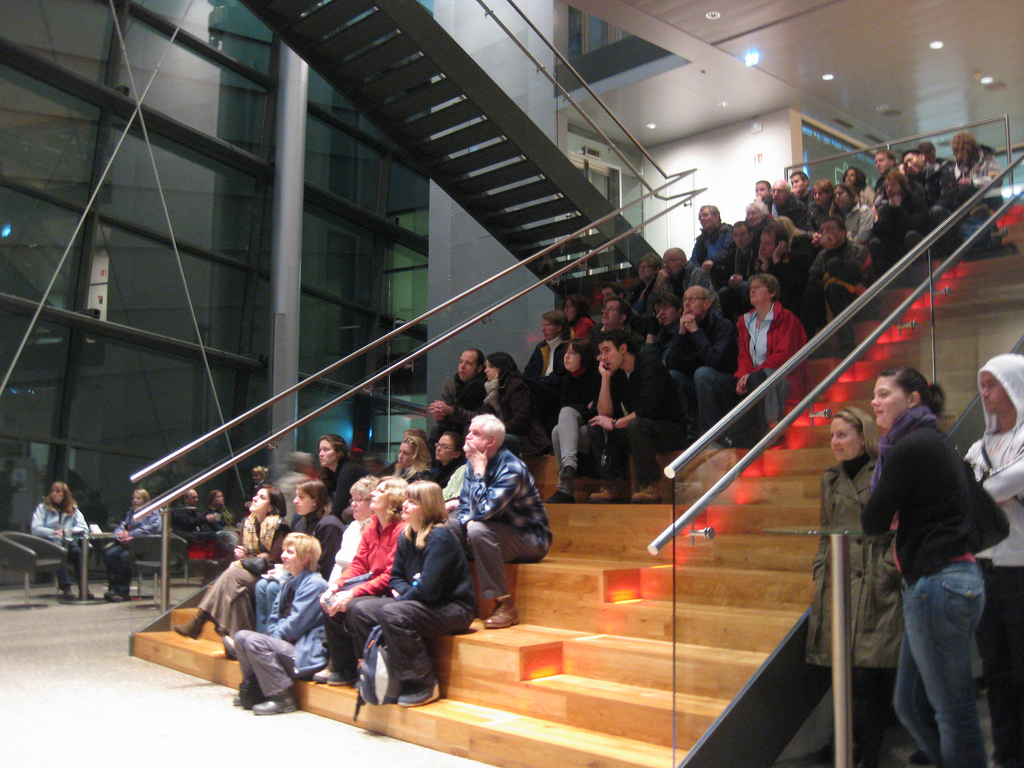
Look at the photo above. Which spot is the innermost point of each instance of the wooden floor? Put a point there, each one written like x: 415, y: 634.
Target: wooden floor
x: 587, y: 679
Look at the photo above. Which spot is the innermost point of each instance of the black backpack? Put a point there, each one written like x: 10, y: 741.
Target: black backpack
x: 991, y: 525
x: 375, y: 685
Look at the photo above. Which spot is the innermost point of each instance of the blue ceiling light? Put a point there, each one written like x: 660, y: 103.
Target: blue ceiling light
x: 5, y: 230
x: 752, y: 58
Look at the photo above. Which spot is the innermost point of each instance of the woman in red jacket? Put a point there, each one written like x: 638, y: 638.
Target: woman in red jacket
x: 768, y: 336
x: 373, y: 561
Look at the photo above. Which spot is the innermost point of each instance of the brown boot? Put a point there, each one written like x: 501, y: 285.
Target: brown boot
x: 648, y: 494
x: 195, y: 627
x: 611, y: 491
x: 504, y: 614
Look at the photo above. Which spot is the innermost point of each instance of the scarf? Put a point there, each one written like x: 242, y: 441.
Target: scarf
x: 257, y: 540
x: 912, y: 418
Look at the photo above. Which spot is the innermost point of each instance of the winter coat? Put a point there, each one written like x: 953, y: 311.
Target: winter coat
x: 876, y: 613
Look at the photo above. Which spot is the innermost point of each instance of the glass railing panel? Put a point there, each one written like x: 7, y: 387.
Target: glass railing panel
x: 739, y: 584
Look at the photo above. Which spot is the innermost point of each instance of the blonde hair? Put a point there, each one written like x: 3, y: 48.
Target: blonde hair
x: 420, y: 453
x: 865, y: 427
x: 364, y: 485
x: 428, y: 495
x: 306, y: 547
x: 397, y: 490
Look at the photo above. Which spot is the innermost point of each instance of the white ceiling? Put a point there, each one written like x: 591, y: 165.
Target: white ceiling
x: 888, y: 83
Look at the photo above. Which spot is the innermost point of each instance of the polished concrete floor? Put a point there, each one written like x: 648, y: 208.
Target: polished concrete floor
x: 71, y: 695
x: 70, y: 692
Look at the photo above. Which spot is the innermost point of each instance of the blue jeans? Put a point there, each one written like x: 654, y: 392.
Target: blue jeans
x: 934, y: 687
x: 266, y: 594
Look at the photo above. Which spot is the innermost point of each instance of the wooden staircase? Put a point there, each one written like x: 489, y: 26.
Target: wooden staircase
x: 587, y: 678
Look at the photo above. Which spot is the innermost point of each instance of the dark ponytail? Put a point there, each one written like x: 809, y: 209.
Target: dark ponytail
x: 911, y: 380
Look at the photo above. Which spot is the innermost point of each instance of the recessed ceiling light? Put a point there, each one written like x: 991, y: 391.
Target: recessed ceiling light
x: 882, y: 107
x: 723, y: 103
x: 987, y: 80
x: 828, y: 76
x: 752, y: 58
x: 712, y: 15
x: 652, y: 126
x: 935, y: 44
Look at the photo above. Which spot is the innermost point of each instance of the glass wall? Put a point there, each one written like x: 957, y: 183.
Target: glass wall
x: 174, y: 250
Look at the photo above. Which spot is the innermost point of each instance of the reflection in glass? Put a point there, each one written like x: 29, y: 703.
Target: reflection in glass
x: 37, y: 235
x: 337, y: 256
x: 210, y: 204
x: 145, y: 402
x: 138, y: 266
x: 70, y: 33
x: 24, y: 474
x: 194, y: 89
x: 47, y: 138
x: 227, y: 25
x: 320, y: 92
x: 341, y: 164
x: 409, y: 199
x: 31, y: 402
x: 405, y: 277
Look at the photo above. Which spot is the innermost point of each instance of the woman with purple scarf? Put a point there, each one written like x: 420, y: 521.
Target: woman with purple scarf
x: 919, y: 489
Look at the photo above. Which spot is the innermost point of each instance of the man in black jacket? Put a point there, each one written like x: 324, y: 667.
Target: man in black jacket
x: 838, y: 274
x: 460, y: 399
x: 705, y: 345
x: 786, y: 204
x: 638, y: 412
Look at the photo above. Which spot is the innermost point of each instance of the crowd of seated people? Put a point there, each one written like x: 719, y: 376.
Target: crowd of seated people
x: 299, y: 601
x: 810, y: 247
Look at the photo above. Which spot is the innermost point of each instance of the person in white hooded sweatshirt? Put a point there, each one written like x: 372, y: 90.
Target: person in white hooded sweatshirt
x: 999, y: 458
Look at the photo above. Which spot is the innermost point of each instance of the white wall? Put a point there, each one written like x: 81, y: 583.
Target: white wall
x: 728, y: 161
x: 462, y: 253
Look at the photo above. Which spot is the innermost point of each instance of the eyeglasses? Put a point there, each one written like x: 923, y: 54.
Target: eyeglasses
x: 446, y: 446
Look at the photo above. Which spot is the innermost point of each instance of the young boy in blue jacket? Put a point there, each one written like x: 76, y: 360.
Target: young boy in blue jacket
x: 293, y: 646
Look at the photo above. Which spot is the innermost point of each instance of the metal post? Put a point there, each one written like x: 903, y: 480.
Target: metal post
x: 286, y: 234
x: 841, y: 672
x: 164, y: 595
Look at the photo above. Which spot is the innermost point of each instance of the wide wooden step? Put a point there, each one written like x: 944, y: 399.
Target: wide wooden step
x: 745, y: 587
x: 753, y: 629
x: 649, y: 664
x: 756, y: 551
x: 625, y: 710
x: 614, y: 531
x: 482, y: 733
x: 757, y: 518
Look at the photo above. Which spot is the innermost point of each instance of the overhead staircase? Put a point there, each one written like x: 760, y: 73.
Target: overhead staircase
x: 393, y: 62
x: 618, y: 653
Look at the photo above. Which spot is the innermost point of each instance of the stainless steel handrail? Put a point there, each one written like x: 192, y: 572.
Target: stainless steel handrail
x: 832, y: 328
x: 236, y: 458
x: 702, y: 503
x: 1004, y: 119
x: 554, y: 81
x: 237, y: 420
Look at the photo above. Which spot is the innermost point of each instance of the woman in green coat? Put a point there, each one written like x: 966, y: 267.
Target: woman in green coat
x: 875, y: 610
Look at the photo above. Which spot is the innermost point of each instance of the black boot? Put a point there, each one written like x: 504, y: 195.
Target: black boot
x: 249, y: 693
x: 195, y: 627
x: 277, y: 705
